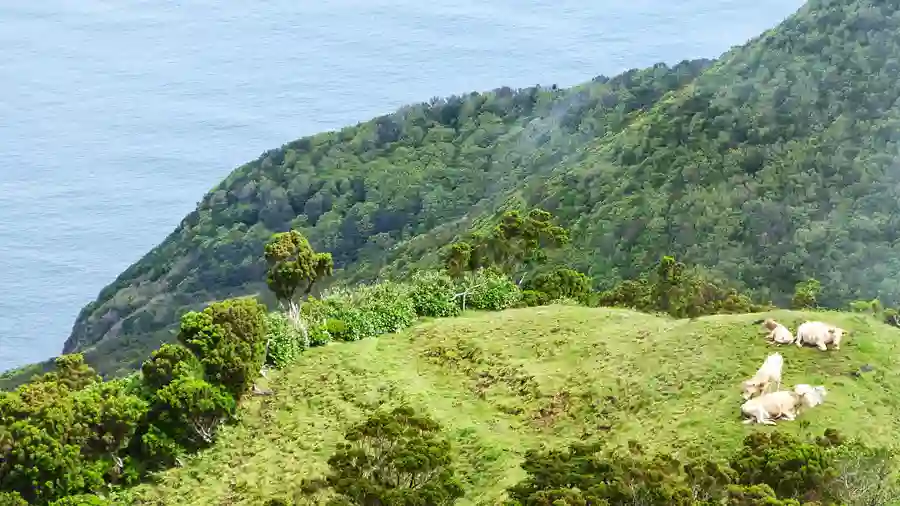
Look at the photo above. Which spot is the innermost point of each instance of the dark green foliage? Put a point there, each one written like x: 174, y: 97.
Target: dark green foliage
x: 285, y: 342
x: 806, y: 294
x: 293, y: 265
x: 515, y: 244
x: 57, y: 441
x: 771, y: 469
x: 434, y: 294
x: 600, y: 477
x: 71, y: 371
x: 792, y: 468
x: 679, y: 291
x: 169, y: 362
x: 531, y: 298
x: 395, y: 457
x: 190, y: 410
x: 229, y: 339
x: 560, y: 283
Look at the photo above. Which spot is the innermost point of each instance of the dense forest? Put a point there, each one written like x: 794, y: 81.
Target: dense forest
x: 770, y: 165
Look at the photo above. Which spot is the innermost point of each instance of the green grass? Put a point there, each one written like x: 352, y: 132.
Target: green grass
x: 502, y: 383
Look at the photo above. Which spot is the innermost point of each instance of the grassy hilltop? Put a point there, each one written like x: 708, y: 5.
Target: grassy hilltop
x: 502, y: 383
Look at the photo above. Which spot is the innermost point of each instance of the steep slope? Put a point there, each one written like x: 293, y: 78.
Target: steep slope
x: 502, y: 383
x: 359, y: 192
x: 777, y: 164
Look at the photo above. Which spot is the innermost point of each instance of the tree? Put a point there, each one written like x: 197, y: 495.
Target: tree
x: 229, y: 339
x: 191, y: 410
x: 394, y: 458
x: 293, y: 265
x: 72, y: 371
x: 806, y: 294
x: 561, y: 283
x: 515, y: 245
x: 169, y: 362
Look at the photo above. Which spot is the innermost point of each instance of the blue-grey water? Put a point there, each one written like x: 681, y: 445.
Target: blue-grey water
x: 116, y: 116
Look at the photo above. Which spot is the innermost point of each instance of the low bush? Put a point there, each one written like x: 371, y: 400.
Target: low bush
x: 561, y: 283
x: 532, y: 298
x: 351, y: 315
x: 434, y: 294
x: 285, y: 341
x: 488, y: 290
x: 81, y: 500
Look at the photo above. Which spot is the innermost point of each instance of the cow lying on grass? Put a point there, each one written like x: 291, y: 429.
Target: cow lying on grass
x: 785, y: 405
x: 820, y: 334
x: 768, y: 373
x: 778, y: 333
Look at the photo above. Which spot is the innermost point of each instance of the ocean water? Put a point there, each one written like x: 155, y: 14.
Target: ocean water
x: 116, y: 116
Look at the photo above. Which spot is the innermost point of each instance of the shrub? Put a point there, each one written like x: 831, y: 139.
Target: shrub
x: 285, y: 341
x: 433, y: 294
x: 561, y: 283
x: 367, y: 311
x: 169, y: 362
x: 11, y: 499
x: 229, y: 338
x: 489, y: 290
x: 319, y: 335
x: 396, y: 457
x: 81, y: 500
x: 806, y: 294
x: 532, y: 298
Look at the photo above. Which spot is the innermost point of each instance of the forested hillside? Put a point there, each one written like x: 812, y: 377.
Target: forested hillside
x: 358, y: 193
x: 773, y: 164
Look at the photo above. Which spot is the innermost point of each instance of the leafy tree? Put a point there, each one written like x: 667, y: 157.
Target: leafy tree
x: 191, y: 411
x: 434, y: 294
x: 293, y: 266
x: 394, y: 458
x: 561, y: 283
x: 229, y: 339
x: 806, y: 294
x: 72, y: 371
x: 516, y: 244
x: 169, y: 362
x: 111, y: 416
x: 681, y: 292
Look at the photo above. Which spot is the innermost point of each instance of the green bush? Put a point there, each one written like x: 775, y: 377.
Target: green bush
x: 561, y: 283
x: 433, y: 294
x: 351, y: 315
x: 285, y: 341
x: 11, y: 499
x: 389, y: 306
x: 532, y: 298
x: 806, y: 294
x: 81, y: 500
x: 319, y: 335
x: 489, y: 290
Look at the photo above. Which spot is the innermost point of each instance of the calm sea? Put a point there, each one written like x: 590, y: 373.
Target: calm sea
x: 117, y: 115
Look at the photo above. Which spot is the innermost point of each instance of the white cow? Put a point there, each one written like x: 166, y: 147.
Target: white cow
x: 820, y: 334
x: 768, y: 373
x: 778, y: 333
x: 785, y: 405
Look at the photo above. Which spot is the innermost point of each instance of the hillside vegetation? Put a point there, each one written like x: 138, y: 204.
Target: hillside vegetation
x: 360, y: 192
x: 503, y: 383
